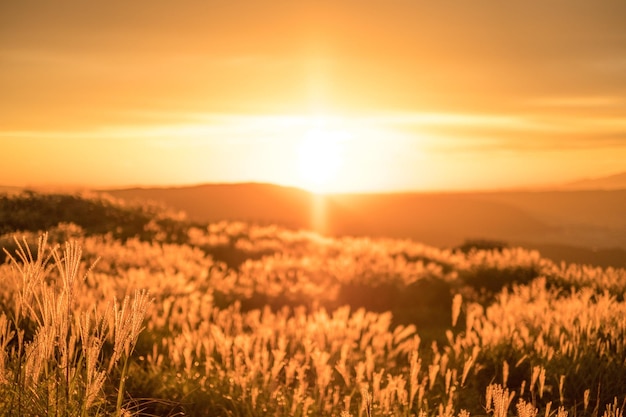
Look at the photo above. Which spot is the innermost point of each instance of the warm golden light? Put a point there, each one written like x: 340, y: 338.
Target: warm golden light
x: 320, y: 158
x: 327, y: 96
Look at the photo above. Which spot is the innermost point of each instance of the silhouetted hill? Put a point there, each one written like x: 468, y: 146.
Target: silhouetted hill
x: 251, y: 202
x: 592, y: 219
x: 436, y: 219
x: 586, y: 219
x: 611, y: 182
x: 574, y: 226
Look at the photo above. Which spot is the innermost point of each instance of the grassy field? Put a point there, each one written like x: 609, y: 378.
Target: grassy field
x: 111, y: 309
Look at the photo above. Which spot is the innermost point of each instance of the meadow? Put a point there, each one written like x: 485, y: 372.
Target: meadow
x: 108, y: 308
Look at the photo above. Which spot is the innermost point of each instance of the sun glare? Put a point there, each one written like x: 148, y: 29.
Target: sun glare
x: 320, y: 158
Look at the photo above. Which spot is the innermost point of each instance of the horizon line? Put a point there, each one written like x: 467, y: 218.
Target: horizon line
x: 564, y: 187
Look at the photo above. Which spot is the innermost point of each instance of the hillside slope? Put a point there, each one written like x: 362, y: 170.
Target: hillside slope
x: 611, y: 182
x: 588, y: 219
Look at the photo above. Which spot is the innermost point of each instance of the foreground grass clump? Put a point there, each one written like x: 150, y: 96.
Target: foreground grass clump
x: 54, y: 358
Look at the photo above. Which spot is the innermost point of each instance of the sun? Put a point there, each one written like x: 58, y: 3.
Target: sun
x: 320, y: 158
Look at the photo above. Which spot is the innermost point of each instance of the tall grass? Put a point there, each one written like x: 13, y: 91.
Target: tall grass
x: 287, y: 329
x: 53, y: 361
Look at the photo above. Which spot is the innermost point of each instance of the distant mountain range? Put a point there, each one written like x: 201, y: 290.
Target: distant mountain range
x: 612, y: 182
x: 575, y: 225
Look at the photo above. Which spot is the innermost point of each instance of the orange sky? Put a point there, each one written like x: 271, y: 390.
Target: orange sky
x: 400, y: 95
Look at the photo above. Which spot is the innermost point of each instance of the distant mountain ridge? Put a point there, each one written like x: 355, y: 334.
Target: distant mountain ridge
x: 611, y: 182
x: 581, y: 226
x: 586, y: 219
x: 439, y: 218
x: 253, y: 202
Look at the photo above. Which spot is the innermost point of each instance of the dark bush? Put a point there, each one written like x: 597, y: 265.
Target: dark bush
x: 481, y: 244
x: 426, y: 303
x: 483, y: 283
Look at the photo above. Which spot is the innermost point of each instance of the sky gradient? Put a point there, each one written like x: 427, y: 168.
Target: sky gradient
x: 401, y: 95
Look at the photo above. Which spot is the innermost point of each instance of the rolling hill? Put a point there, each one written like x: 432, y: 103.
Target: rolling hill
x: 611, y: 182
x: 570, y: 225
